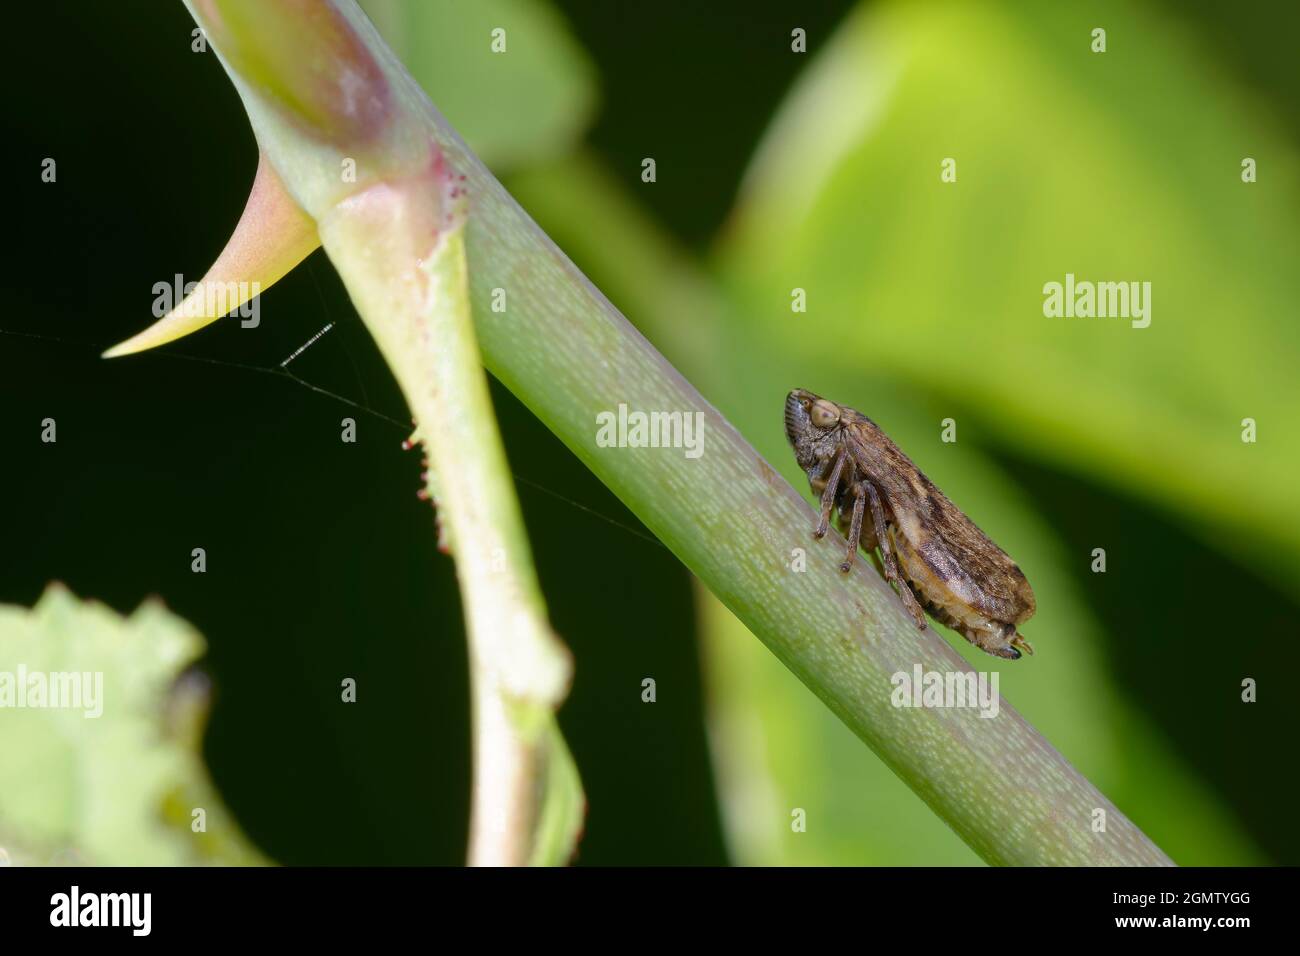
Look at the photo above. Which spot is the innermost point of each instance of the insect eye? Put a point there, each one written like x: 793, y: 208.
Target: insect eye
x: 824, y: 415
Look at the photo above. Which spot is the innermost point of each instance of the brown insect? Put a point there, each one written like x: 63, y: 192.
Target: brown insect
x: 932, y: 553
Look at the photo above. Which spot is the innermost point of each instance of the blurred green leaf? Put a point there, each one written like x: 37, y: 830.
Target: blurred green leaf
x: 910, y: 280
x: 514, y: 108
x: 1115, y: 166
x: 120, y: 788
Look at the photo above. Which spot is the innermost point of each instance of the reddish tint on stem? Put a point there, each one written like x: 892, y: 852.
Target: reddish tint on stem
x: 304, y: 56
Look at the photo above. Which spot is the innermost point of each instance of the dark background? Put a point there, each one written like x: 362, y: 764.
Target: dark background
x: 321, y: 564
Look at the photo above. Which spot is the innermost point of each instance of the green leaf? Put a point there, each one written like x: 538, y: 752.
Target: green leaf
x: 119, y: 788
x: 543, y: 75
x: 1115, y: 166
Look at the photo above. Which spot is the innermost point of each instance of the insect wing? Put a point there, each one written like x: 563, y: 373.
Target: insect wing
x: 952, y: 547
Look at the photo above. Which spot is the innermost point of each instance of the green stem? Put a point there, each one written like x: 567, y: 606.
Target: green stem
x: 412, y: 291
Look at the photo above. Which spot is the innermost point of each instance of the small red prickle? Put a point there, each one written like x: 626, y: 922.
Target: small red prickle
x: 423, y: 494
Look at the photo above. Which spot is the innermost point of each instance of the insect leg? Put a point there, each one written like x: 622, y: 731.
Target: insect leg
x: 891, y: 566
x: 855, y: 529
x: 828, y: 495
x: 1016, y: 639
